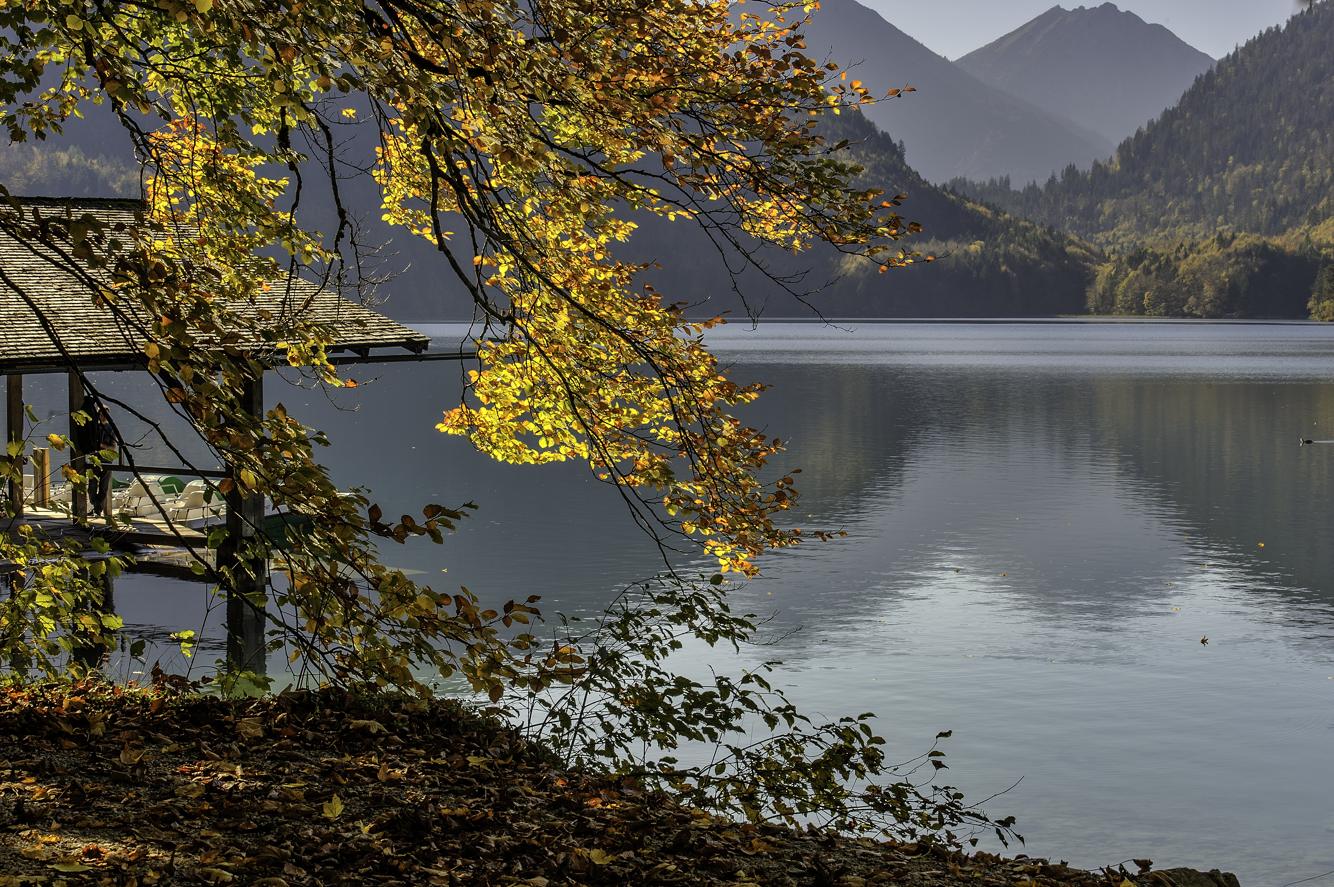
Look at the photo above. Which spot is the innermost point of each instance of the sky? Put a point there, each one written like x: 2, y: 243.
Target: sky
x: 956, y: 27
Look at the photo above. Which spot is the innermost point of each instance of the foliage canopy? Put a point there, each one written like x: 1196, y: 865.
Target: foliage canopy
x: 518, y: 139
x: 522, y: 141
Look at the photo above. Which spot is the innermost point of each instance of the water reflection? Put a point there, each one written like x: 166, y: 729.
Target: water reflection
x: 1043, y: 521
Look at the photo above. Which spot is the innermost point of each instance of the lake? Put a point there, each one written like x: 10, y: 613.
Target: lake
x: 1044, y: 522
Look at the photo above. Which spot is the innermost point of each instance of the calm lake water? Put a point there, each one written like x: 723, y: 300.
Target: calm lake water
x: 1044, y: 520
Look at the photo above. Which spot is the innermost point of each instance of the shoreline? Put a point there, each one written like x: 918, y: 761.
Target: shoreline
x: 103, y: 785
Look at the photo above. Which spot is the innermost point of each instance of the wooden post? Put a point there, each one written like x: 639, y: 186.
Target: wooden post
x: 78, y: 436
x: 14, y: 433
x: 247, y: 590
x: 94, y: 655
x: 104, y: 506
x: 41, y: 477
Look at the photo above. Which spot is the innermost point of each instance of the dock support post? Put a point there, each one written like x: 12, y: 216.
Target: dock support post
x: 94, y: 655
x: 78, y: 436
x: 14, y: 433
x: 41, y: 477
x: 247, y: 588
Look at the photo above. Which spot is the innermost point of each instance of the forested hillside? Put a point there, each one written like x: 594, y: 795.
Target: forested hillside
x: 50, y: 170
x: 1250, y: 148
x: 988, y: 264
x: 1222, y: 207
x: 1228, y: 275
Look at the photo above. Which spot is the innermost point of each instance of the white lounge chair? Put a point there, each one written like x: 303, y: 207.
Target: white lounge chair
x: 194, y: 505
x: 136, y: 500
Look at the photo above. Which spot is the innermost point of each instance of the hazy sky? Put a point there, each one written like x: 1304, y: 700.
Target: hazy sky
x: 955, y: 27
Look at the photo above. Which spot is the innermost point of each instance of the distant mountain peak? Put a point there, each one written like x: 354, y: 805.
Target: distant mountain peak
x: 1101, y: 66
x: 1247, y: 148
x: 954, y: 124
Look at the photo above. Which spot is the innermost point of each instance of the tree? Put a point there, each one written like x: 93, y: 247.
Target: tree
x: 1322, y: 298
x: 521, y: 140
x: 534, y: 130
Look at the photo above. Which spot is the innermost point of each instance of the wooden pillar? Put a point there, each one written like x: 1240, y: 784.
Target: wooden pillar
x: 93, y: 655
x: 247, y: 587
x: 78, y: 436
x: 14, y: 433
x: 41, y: 477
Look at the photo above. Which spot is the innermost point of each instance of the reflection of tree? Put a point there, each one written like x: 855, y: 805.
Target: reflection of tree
x: 1086, y: 490
x: 923, y: 465
x: 830, y: 413
x: 1224, y: 455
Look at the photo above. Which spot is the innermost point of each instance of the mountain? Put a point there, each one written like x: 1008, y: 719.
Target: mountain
x: 1223, y: 206
x: 954, y: 124
x: 1107, y: 70
x: 988, y: 264
x: 1250, y: 147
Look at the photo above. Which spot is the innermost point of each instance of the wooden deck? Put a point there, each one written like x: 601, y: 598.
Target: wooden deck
x: 152, y: 546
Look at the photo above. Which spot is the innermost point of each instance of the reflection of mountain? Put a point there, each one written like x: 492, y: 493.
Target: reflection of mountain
x: 1093, y: 493
x: 1091, y: 490
x: 1225, y: 456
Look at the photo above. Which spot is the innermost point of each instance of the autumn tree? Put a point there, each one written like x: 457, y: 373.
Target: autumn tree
x: 1322, y: 297
x: 522, y: 141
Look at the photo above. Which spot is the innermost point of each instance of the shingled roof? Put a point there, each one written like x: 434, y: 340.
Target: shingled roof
x: 96, y: 338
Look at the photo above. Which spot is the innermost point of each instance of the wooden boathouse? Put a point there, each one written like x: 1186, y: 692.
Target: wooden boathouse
x: 51, y: 322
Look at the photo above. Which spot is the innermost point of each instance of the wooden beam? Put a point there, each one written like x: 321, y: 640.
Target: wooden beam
x: 418, y: 351
x: 416, y: 357
x: 247, y: 585
x: 14, y: 432
x: 78, y: 435
x: 160, y: 469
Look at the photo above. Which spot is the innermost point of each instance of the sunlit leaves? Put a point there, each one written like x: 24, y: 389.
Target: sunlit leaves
x: 525, y: 142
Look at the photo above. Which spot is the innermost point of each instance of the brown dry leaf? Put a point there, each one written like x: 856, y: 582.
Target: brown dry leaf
x: 71, y: 867
x: 250, y: 728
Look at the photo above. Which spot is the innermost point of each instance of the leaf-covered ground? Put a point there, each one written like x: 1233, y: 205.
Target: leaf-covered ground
x: 104, y: 786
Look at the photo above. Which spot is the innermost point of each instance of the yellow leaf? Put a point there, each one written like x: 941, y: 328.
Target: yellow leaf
x: 333, y: 808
